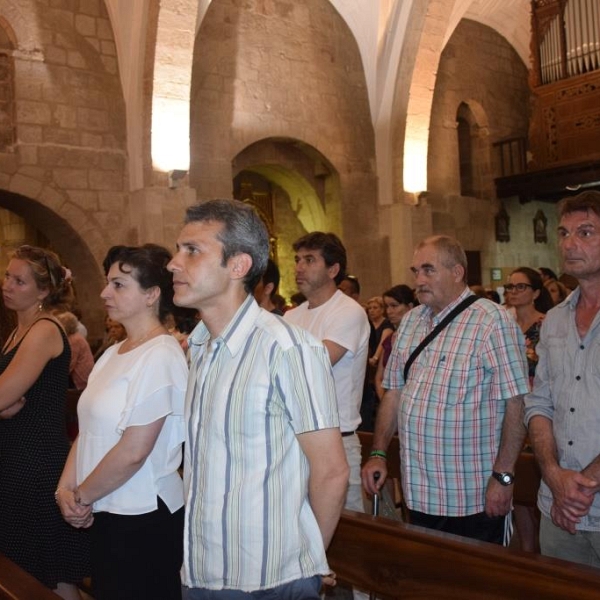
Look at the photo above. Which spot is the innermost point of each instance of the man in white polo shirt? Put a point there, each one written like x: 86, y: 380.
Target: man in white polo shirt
x: 342, y: 325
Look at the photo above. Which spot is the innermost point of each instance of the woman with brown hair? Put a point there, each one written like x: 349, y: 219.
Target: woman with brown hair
x: 531, y: 301
x: 121, y: 478
x: 398, y: 300
x: 558, y: 292
x: 34, y: 374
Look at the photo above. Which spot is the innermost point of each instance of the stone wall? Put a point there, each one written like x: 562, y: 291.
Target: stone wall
x: 480, y: 69
x: 292, y: 70
x: 66, y: 173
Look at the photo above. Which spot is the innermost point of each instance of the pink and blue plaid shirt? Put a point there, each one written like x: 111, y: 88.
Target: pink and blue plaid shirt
x: 452, y: 406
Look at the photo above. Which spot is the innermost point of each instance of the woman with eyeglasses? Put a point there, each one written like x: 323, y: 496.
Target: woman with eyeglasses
x: 531, y: 301
x: 34, y: 375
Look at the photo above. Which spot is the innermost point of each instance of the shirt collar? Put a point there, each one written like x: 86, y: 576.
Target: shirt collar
x: 572, y: 299
x: 237, y: 330
x: 435, y: 319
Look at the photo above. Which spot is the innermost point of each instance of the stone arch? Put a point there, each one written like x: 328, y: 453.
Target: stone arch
x: 17, y: 14
x: 430, y: 29
x: 302, y: 181
x: 11, y: 38
x: 464, y: 125
x: 479, y: 114
x: 69, y: 238
x: 431, y: 25
x: 155, y: 75
x: 245, y: 57
x: 479, y: 69
x: 66, y: 174
x: 172, y: 77
x: 8, y: 42
x: 473, y: 146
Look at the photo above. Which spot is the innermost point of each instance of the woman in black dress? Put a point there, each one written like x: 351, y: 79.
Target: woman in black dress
x: 34, y: 373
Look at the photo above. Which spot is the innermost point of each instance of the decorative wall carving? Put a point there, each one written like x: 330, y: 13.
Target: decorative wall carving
x: 502, y: 222
x: 565, y: 123
x: 540, y: 222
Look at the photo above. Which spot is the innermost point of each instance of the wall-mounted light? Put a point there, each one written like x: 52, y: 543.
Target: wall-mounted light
x: 422, y: 197
x: 415, y: 165
x: 170, y: 134
x: 175, y: 177
x: 417, y: 198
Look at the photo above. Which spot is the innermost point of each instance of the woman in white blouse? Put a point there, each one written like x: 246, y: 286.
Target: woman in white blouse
x: 121, y: 476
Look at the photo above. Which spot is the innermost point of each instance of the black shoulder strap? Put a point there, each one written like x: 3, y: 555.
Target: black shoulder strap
x: 58, y: 325
x: 437, y: 330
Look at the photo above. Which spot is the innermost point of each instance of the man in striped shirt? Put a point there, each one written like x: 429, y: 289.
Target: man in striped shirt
x: 265, y: 473
x: 459, y: 412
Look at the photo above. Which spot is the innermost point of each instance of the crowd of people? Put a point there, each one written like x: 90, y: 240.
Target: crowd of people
x: 204, y: 367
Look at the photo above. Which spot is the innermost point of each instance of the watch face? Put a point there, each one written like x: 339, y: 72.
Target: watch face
x: 504, y: 478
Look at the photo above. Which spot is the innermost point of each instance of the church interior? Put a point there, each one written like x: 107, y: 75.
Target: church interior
x: 383, y: 121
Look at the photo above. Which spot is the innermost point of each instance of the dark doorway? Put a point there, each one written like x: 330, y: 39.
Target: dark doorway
x: 473, y: 267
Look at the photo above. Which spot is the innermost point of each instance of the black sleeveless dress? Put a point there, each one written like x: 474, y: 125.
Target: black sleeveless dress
x: 33, y: 451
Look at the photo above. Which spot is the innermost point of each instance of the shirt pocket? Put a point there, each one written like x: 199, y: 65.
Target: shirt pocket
x: 454, y: 378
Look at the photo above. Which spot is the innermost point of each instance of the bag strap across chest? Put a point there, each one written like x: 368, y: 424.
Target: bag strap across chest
x: 436, y: 331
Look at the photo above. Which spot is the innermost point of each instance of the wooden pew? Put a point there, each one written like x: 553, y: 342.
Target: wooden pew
x: 527, y: 474
x: 16, y: 584
x: 396, y: 560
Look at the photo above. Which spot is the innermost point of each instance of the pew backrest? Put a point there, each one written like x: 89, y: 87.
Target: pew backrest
x: 17, y: 584
x: 396, y: 560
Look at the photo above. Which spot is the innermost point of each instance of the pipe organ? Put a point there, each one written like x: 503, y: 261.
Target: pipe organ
x: 582, y: 21
x: 565, y: 81
x: 566, y: 37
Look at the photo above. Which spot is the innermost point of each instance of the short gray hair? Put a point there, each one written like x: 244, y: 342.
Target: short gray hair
x: 451, y: 251
x: 243, y: 233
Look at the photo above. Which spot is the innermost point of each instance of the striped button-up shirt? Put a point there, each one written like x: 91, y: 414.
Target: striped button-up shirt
x: 566, y: 390
x: 248, y: 522
x: 452, y: 406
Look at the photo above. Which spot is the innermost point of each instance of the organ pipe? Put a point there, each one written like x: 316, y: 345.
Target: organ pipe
x: 568, y: 37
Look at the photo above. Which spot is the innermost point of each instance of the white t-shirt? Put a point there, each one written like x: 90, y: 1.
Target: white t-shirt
x: 343, y: 321
x: 136, y: 388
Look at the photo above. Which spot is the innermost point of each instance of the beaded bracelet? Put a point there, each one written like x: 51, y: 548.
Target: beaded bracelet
x: 378, y: 454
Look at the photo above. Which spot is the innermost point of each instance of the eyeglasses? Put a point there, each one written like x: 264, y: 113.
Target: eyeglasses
x: 518, y: 287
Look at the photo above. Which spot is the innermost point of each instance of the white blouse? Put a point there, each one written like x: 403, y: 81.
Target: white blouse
x: 136, y: 388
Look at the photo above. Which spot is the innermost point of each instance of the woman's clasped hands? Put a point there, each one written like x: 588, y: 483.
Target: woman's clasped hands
x: 73, y: 511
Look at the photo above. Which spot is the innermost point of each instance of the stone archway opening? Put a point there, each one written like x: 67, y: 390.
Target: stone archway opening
x: 295, y: 189
x: 474, y: 150
x: 37, y: 224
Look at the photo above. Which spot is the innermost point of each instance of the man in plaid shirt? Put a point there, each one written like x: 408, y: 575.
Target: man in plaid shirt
x: 459, y: 413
